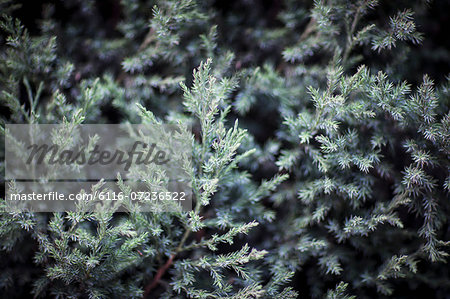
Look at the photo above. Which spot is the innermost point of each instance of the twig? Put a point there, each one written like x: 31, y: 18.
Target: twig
x: 350, y: 41
x: 309, y: 29
x: 148, y: 39
x: 159, y: 274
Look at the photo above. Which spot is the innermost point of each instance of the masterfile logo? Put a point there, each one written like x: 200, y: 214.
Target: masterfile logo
x: 38, y: 154
x: 119, y: 162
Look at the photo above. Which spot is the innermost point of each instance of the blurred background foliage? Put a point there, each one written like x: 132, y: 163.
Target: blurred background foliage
x: 365, y: 209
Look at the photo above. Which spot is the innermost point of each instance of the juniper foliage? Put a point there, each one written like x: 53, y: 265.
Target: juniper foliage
x: 317, y: 169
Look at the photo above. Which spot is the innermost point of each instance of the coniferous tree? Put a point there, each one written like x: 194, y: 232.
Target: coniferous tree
x: 320, y: 147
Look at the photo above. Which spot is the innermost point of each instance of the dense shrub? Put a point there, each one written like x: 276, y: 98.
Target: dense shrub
x: 320, y: 144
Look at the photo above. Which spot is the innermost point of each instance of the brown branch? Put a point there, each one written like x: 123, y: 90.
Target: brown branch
x: 350, y: 41
x: 310, y: 27
x: 161, y: 271
x: 148, y: 39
